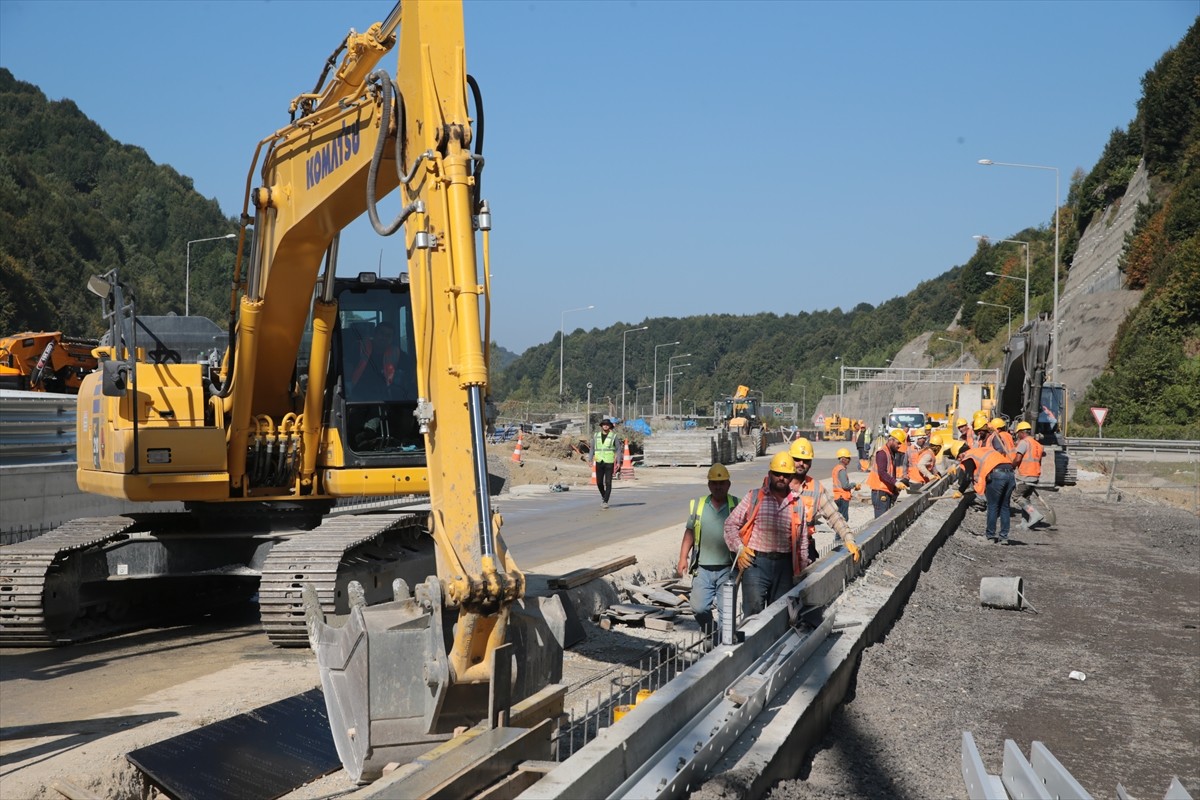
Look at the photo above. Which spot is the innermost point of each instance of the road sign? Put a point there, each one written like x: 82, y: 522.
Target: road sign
x: 778, y: 411
x: 1099, y: 414
x: 820, y: 420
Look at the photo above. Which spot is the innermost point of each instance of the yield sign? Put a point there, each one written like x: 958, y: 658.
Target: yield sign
x: 1099, y: 414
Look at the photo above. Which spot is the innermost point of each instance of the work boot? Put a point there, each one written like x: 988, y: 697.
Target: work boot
x: 1034, y: 517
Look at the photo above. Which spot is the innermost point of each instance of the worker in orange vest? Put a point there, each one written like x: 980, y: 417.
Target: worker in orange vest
x: 815, y: 501
x: 842, y: 487
x: 1028, y: 462
x: 1001, y: 440
x: 882, y: 479
x: 920, y: 466
x: 986, y: 472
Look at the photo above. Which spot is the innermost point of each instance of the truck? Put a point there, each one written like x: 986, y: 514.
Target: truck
x: 45, y: 361
x: 966, y: 398
x: 330, y: 388
x: 905, y: 417
x: 740, y: 413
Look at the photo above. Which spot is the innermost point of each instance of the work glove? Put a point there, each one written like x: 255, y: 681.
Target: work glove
x: 901, y: 486
x: 853, y: 548
x: 745, y: 557
x: 856, y: 487
x: 956, y: 495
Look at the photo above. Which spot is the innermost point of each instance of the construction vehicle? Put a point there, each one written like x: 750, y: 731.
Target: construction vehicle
x: 261, y: 446
x: 1026, y: 395
x: 740, y: 414
x: 46, y: 361
x: 906, y: 418
x: 839, y: 427
x: 966, y: 398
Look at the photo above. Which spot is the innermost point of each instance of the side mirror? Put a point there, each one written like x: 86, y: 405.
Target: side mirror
x: 114, y: 380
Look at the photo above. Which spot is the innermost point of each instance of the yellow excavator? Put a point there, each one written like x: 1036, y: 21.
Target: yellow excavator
x: 330, y: 388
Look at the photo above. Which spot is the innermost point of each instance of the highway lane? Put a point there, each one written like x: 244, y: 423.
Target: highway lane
x: 544, y: 527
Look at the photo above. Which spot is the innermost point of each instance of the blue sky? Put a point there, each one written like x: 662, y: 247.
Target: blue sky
x: 659, y: 158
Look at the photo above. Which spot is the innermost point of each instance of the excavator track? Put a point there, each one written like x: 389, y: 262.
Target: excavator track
x: 372, y: 549
x: 40, y: 602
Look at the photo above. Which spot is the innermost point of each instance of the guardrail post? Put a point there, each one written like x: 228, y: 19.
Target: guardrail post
x: 1112, y: 477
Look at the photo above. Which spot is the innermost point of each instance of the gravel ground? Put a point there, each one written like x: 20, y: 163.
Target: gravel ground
x: 1116, y: 590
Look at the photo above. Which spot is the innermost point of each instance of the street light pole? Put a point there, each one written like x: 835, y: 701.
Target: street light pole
x: 675, y: 370
x: 998, y: 305
x: 987, y: 162
x: 669, y: 384
x: 962, y: 348
x: 623, y: 335
x: 187, y: 270
x: 803, y: 399
x: 562, y: 319
x: 1025, y: 321
x: 654, y: 410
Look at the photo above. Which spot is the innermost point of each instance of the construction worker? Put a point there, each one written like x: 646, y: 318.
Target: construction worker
x: 842, y: 487
x: 764, y: 531
x: 920, y: 466
x: 981, y: 431
x: 964, y: 431
x: 863, y: 443
x: 988, y: 473
x: 604, y: 457
x: 1001, y: 440
x: 815, y: 500
x: 707, y: 559
x: 883, y: 477
x: 1027, y: 460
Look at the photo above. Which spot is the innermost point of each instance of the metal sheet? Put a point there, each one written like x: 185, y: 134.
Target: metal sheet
x: 260, y: 755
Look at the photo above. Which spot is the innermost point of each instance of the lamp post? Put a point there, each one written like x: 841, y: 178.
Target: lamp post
x: 623, y: 335
x: 562, y: 319
x: 997, y: 305
x: 1025, y: 321
x: 987, y: 162
x: 654, y: 410
x: 670, y: 376
x: 676, y: 370
x: 187, y: 270
x: 804, y: 400
x: 962, y: 348
x: 841, y: 384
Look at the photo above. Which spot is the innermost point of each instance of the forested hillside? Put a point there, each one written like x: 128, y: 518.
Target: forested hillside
x: 74, y: 202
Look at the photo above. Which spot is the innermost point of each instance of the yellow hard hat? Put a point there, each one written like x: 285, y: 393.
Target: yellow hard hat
x: 899, y: 435
x: 843, y: 453
x: 998, y: 424
x: 960, y: 422
x: 1023, y: 426
x: 782, y: 462
x: 717, y: 472
x: 980, y: 420
x: 954, y: 447
x: 801, y: 448
x: 937, y: 439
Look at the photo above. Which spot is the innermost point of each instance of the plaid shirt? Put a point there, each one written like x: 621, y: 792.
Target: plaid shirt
x: 772, y: 528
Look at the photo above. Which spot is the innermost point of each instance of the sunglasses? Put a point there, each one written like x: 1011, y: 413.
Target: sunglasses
x: 781, y: 474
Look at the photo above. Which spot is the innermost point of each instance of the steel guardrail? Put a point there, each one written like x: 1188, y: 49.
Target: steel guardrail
x: 1149, y: 446
x: 36, y: 428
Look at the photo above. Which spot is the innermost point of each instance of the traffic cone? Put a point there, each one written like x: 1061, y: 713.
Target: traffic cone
x: 592, y: 482
x: 627, y: 464
x: 517, y: 450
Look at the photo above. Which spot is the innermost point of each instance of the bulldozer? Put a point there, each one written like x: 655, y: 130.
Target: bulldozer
x: 740, y: 414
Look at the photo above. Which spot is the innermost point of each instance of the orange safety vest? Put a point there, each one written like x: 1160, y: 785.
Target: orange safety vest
x: 808, y: 494
x: 1002, y: 442
x: 914, y: 471
x: 874, y: 482
x: 1031, y: 464
x: 797, y: 536
x: 838, y: 492
x: 986, y: 460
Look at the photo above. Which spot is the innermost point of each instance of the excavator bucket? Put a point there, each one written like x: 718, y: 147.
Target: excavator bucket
x: 385, y: 673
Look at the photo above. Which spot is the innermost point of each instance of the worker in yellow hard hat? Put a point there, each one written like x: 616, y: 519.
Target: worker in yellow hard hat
x: 1001, y: 440
x: 964, y: 430
x: 920, y: 464
x: 815, y: 501
x: 707, y: 558
x: 884, y: 480
x: 1027, y: 461
x: 766, y: 533
x: 843, y: 489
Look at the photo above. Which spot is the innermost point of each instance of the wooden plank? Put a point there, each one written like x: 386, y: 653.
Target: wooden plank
x: 655, y: 594
x: 581, y: 576
x: 659, y: 623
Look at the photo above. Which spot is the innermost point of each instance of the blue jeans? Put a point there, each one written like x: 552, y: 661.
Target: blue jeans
x: 882, y: 502
x: 765, y: 581
x: 843, y: 507
x: 1000, y: 485
x: 706, y: 586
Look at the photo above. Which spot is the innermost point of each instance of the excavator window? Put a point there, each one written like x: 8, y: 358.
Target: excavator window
x: 377, y: 363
